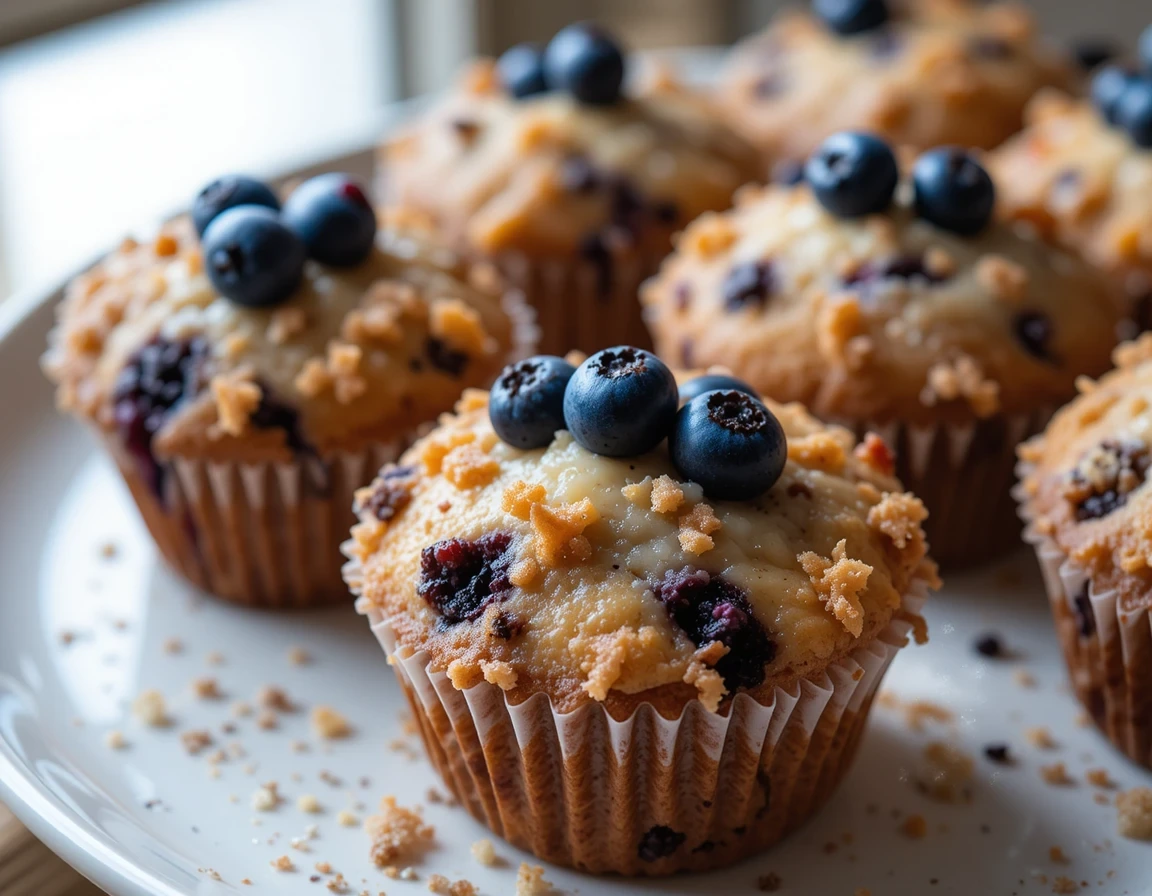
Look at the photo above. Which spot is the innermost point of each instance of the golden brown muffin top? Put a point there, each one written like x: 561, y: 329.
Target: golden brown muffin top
x: 554, y: 570
x: 879, y: 318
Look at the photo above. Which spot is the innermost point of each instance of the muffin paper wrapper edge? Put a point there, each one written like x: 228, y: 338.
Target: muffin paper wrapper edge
x: 1108, y: 650
x: 646, y: 795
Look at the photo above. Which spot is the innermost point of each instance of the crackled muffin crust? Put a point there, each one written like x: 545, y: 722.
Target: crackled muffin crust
x: 1086, y: 186
x: 880, y: 318
x: 557, y: 570
x: 550, y: 177
x: 356, y: 354
x: 1086, y: 482
x: 941, y: 72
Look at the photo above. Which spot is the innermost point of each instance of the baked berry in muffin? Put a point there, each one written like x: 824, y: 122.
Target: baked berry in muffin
x: 1081, y: 175
x: 546, y: 164
x: 589, y: 623
x: 1085, y: 496
x: 906, y: 310
x: 920, y: 73
x: 245, y: 387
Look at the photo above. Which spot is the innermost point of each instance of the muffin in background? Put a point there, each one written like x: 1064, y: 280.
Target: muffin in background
x: 1080, y: 174
x: 609, y: 665
x: 246, y: 389
x: 1085, y: 498
x: 920, y: 73
x: 902, y: 310
x: 546, y: 165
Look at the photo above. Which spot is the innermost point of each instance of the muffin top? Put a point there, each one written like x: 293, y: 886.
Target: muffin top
x: 147, y: 346
x: 927, y: 73
x: 1086, y: 478
x: 549, y: 175
x: 881, y: 316
x: 1084, y: 184
x: 611, y: 579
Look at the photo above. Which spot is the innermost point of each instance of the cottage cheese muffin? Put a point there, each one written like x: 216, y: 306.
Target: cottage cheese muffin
x: 951, y: 336
x: 920, y: 73
x: 584, y: 603
x: 245, y: 392
x: 1085, y: 183
x: 1085, y: 495
x: 574, y: 194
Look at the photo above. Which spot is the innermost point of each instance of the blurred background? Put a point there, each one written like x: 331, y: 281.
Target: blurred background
x: 112, y: 110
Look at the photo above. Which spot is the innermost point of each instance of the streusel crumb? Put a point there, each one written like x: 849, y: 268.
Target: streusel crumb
x: 696, y: 528
x: 485, y: 853
x: 839, y: 582
x: 558, y: 531
x: 397, y: 833
x: 667, y: 495
x: 329, y: 724
x: 1134, y: 814
x: 530, y: 881
x: 151, y: 709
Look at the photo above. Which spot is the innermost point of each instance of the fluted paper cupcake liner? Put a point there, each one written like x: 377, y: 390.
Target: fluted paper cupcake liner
x: 645, y: 795
x: 1108, y: 649
x: 964, y: 474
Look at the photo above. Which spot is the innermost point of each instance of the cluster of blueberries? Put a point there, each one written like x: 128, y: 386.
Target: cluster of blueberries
x: 624, y: 401
x: 581, y: 60
x: 1124, y: 95
x: 254, y: 249
x: 854, y: 174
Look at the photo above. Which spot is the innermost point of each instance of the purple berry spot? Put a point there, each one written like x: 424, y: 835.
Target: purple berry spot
x: 155, y: 380
x: 460, y: 578
x: 902, y: 267
x: 682, y: 295
x: 274, y: 414
x: 445, y: 359
x: 507, y: 626
x: 659, y: 843
x: 1105, y: 477
x: 391, y: 494
x: 1034, y: 333
x: 708, y: 608
x: 748, y: 283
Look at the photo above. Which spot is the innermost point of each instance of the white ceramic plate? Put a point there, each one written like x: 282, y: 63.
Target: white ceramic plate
x: 149, y: 819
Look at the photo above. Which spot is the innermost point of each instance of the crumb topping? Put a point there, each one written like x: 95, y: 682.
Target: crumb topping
x: 397, y: 834
x: 838, y: 583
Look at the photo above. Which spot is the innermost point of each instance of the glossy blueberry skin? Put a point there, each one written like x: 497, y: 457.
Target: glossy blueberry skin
x: 853, y: 174
x: 521, y: 71
x: 228, y: 192
x: 1134, y: 112
x: 710, y: 382
x: 730, y: 444
x: 333, y: 217
x: 852, y: 16
x: 953, y: 191
x: 526, y: 404
x: 1108, y: 89
x: 583, y: 60
x: 621, y: 402
x: 252, y: 258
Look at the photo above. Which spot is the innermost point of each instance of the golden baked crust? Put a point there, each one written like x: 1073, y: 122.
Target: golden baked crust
x: 358, y: 354
x: 823, y: 561
x: 1084, y: 185
x: 943, y: 72
x: 1086, y: 478
x: 880, y: 318
x: 549, y: 177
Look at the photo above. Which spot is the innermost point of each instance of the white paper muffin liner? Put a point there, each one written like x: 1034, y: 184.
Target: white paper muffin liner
x: 1108, y: 650
x: 645, y: 795
x: 964, y: 474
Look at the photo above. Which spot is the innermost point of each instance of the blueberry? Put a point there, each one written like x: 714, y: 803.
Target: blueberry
x: 1146, y: 49
x: 526, y: 405
x: 1134, y: 113
x: 729, y: 443
x: 583, y: 60
x: 1108, y: 88
x: 853, y: 174
x: 1092, y: 52
x: 953, y: 191
x: 710, y: 382
x: 332, y: 215
x: 852, y: 16
x: 229, y: 192
x: 621, y: 402
x: 252, y: 258
x: 521, y: 71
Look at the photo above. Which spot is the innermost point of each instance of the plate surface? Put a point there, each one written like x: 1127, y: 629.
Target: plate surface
x: 86, y: 611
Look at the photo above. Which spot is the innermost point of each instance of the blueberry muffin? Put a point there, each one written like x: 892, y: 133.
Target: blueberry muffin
x: 250, y: 366
x: 1081, y: 175
x: 1084, y: 494
x: 587, y: 619
x: 904, y: 310
x: 544, y: 165
x: 920, y: 73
